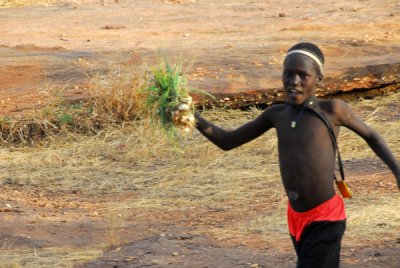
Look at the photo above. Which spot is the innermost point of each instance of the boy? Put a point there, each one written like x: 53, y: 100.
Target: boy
x: 316, y: 215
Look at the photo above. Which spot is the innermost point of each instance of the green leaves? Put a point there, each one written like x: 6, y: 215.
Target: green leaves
x: 169, y: 85
x: 167, y: 92
x: 65, y: 118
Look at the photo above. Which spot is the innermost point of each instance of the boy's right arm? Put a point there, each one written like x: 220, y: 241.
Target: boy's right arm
x: 227, y: 140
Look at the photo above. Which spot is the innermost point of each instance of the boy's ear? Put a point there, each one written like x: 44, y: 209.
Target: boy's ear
x: 320, y: 77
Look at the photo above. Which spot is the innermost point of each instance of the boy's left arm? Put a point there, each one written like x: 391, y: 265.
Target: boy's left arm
x: 348, y: 118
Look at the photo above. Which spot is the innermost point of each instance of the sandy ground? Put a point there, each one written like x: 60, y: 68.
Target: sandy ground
x: 227, y: 46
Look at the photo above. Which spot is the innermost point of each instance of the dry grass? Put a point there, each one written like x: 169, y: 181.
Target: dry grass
x: 18, y: 3
x: 373, y: 216
x: 133, y: 157
x: 51, y: 257
x: 114, y: 98
x: 380, y: 115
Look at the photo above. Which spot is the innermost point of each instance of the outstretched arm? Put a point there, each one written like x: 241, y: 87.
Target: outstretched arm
x: 227, y: 140
x: 348, y: 119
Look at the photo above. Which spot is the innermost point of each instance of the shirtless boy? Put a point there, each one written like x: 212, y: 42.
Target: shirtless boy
x: 316, y: 215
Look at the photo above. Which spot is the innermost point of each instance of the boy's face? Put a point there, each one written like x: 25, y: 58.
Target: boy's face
x: 300, y: 76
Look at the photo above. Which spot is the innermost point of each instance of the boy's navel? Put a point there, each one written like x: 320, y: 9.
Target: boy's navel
x: 293, y: 196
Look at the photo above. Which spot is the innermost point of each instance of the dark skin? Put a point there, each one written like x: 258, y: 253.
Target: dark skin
x: 306, y: 154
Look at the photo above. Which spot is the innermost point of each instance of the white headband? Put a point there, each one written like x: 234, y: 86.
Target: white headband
x: 308, y: 54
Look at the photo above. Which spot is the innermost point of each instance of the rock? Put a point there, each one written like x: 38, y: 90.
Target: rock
x: 113, y: 27
x: 8, y: 181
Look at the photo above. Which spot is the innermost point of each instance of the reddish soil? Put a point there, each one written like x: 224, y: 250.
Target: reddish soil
x: 226, y: 46
x: 231, y: 47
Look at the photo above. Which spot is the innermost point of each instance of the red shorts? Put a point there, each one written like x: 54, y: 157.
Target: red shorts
x: 330, y: 210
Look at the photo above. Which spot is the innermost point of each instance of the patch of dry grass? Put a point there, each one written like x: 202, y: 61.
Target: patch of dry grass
x: 380, y: 115
x: 114, y: 98
x: 373, y: 217
x: 18, y: 3
x: 48, y: 257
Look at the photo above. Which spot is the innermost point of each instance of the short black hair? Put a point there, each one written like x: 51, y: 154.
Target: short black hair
x: 310, y: 47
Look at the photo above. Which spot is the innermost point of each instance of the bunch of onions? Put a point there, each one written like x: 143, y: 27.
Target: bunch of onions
x: 168, y: 100
x: 182, y: 116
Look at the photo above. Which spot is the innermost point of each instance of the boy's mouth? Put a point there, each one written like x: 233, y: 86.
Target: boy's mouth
x: 294, y: 93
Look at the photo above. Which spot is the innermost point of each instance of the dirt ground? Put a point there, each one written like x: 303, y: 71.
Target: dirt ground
x: 227, y: 47
x: 63, y: 228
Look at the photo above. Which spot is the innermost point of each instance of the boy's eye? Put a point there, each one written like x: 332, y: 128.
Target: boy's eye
x: 303, y: 75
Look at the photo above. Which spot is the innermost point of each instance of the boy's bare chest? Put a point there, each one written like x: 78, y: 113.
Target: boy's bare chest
x: 300, y: 126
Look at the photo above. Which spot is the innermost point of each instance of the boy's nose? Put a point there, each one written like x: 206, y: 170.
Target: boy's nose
x: 295, y: 80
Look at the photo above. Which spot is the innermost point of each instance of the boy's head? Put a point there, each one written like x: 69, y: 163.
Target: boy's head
x: 310, y: 50
x: 303, y: 69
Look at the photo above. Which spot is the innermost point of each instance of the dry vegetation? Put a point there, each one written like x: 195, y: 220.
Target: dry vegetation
x: 46, y: 3
x: 126, y: 154
x: 16, y: 3
x: 114, y: 98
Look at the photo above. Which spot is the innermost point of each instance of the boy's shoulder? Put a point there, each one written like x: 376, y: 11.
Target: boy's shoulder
x: 331, y: 106
x: 333, y: 101
x: 275, y: 108
x: 274, y: 112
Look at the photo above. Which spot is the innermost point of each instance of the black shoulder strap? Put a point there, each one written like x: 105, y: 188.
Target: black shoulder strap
x: 332, y: 136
